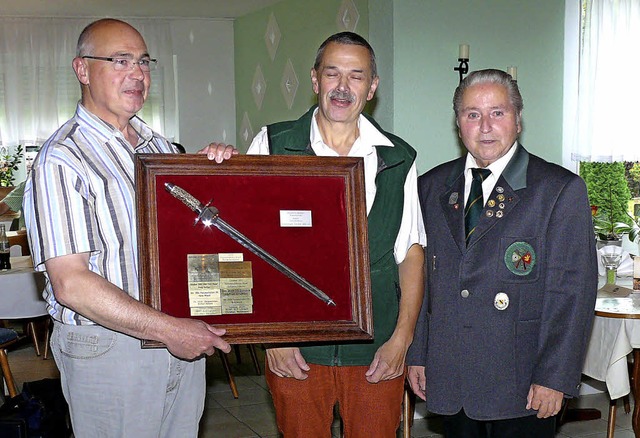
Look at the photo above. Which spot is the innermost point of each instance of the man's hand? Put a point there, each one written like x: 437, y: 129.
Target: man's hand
x: 417, y: 381
x: 191, y: 338
x: 545, y: 400
x: 219, y: 151
x: 388, y: 362
x: 91, y: 295
x: 287, y: 362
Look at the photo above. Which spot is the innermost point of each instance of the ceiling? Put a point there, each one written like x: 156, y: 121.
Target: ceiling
x: 133, y: 8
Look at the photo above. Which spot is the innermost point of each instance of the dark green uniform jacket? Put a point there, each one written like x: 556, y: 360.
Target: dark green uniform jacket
x: 292, y: 138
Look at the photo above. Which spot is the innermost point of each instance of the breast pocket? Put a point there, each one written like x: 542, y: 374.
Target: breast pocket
x: 520, y: 259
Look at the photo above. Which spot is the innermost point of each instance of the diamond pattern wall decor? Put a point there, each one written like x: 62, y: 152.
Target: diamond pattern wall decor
x: 258, y: 87
x: 289, y: 84
x: 272, y: 36
x: 246, y: 132
x: 348, y: 16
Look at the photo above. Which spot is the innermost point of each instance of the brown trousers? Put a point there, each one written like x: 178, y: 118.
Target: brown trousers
x: 304, y: 408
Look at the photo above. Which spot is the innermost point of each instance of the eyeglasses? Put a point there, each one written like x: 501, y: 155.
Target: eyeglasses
x: 125, y: 64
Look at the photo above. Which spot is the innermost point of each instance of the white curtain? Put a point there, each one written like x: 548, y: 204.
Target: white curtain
x: 39, y: 90
x: 608, y: 94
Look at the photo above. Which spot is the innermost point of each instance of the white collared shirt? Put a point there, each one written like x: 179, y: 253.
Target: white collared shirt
x: 412, y: 227
x: 496, y: 168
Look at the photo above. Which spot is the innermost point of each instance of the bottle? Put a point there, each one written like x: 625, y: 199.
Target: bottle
x: 5, y: 263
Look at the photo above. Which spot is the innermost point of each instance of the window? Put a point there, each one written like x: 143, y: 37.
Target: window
x: 39, y: 90
x: 605, y: 114
x: 599, y: 104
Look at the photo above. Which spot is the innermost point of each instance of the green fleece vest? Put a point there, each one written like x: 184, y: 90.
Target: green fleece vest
x: 292, y: 138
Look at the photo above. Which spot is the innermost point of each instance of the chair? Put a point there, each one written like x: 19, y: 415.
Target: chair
x: 611, y: 421
x: 8, y: 337
x: 19, y: 238
x: 613, y: 404
x: 227, y: 368
x: 22, y: 300
x: 408, y: 409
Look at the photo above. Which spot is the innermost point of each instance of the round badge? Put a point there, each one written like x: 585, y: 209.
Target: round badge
x: 491, y: 203
x: 501, y: 301
x: 489, y: 213
x: 520, y: 258
x: 499, y: 189
x: 500, y: 197
x: 499, y: 213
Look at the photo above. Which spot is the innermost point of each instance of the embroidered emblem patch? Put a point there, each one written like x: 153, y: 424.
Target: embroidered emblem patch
x: 520, y: 258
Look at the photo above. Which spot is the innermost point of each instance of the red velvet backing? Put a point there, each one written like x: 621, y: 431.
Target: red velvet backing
x: 252, y: 205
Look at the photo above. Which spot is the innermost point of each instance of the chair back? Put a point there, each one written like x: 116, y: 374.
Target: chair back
x: 20, y: 238
x: 15, y: 251
x: 21, y: 293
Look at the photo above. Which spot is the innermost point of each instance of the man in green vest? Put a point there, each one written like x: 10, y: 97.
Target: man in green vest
x: 365, y: 379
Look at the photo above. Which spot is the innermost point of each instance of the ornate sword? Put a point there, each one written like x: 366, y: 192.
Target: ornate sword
x: 209, y: 215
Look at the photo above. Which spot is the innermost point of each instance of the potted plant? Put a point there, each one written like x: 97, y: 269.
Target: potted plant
x: 632, y: 230
x: 607, y: 230
x: 9, y: 164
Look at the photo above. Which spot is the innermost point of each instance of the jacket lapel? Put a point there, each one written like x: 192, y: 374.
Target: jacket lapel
x: 503, y: 198
x: 452, y: 203
x: 497, y: 208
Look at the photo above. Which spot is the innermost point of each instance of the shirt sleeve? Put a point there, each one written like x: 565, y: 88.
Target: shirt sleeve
x: 412, y: 225
x: 58, y: 211
x: 260, y: 143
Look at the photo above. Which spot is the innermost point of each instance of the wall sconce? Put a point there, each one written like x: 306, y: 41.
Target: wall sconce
x: 463, y: 59
x: 513, y: 71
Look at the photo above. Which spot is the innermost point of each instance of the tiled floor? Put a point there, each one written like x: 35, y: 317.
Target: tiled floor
x: 252, y: 414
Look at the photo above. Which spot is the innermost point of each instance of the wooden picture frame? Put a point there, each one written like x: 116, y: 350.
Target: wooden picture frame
x: 252, y: 193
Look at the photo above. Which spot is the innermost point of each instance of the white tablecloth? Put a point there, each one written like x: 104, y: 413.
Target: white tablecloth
x: 21, y: 290
x: 612, y: 339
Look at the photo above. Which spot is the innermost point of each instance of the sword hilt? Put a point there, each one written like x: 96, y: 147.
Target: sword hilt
x: 206, y: 213
x: 185, y: 197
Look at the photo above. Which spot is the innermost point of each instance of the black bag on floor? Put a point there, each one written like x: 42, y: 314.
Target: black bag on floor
x: 40, y: 409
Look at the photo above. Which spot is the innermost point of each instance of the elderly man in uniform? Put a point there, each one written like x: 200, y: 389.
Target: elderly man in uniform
x: 511, y: 276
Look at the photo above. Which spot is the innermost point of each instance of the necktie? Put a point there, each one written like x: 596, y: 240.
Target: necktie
x: 475, y: 203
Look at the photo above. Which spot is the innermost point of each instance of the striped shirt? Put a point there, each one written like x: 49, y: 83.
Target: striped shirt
x: 81, y: 198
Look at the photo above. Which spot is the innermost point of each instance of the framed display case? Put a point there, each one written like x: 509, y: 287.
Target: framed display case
x: 213, y: 240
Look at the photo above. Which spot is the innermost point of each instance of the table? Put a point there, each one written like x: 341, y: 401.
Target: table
x: 615, y: 334
x: 21, y: 290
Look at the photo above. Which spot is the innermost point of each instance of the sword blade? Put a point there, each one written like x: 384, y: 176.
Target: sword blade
x: 243, y: 240
x: 209, y: 216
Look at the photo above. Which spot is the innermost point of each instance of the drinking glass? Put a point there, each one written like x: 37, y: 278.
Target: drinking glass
x: 611, y: 258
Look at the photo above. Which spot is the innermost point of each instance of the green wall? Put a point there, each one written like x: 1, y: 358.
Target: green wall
x: 416, y: 42
x: 304, y: 25
x: 501, y: 33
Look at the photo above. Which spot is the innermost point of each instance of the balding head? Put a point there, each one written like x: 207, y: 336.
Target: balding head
x: 86, y: 41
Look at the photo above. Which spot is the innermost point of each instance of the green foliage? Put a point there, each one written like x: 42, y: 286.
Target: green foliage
x: 9, y: 164
x: 633, y: 178
x: 632, y: 228
x: 609, y: 193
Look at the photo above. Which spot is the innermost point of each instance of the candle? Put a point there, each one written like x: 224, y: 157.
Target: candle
x: 513, y: 71
x: 463, y: 51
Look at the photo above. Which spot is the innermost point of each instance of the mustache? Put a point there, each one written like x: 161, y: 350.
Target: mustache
x: 342, y: 95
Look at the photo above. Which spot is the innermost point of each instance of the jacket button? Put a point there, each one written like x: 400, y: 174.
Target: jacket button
x: 464, y: 293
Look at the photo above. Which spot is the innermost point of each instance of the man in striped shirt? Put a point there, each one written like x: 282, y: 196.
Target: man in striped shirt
x: 80, y: 213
